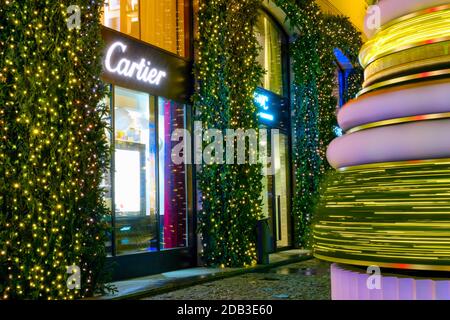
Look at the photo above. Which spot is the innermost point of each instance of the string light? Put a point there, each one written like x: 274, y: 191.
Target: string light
x: 52, y: 150
x: 314, y: 104
x: 227, y: 75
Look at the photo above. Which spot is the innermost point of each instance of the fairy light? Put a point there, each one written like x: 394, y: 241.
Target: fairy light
x: 52, y: 150
x: 225, y: 100
x: 313, y: 104
x: 226, y: 79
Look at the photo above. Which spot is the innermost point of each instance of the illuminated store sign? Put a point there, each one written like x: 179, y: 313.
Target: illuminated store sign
x: 139, y: 66
x: 142, y: 70
x: 266, y: 116
x: 262, y: 101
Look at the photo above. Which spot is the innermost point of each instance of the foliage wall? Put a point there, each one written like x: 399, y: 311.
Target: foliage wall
x: 227, y: 75
x: 52, y: 149
x: 313, y: 104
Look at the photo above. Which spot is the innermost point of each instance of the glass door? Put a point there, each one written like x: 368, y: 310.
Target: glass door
x: 173, y: 197
x: 134, y: 173
x: 282, y: 192
x: 149, y: 189
x: 276, y: 191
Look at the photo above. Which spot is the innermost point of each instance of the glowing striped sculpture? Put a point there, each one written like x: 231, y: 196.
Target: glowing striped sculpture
x: 390, y: 203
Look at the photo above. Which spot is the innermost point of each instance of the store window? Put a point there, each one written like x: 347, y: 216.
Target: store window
x: 134, y: 172
x: 172, y: 178
x: 270, y: 39
x: 339, y: 82
x: 344, y: 70
x: 148, y: 189
x: 162, y: 23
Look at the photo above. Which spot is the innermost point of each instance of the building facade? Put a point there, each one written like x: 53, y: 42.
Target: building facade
x: 148, y: 59
x: 148, y: 64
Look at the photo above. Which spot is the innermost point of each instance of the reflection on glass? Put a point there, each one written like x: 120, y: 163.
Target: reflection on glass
x: 172, y: 178
x: 128, y: 180
x: 276, y: 190
x: 267, y: 183
x: 123, y: 16
x: 283, y: 220
x: 135, y: 176
x: 270, y: 58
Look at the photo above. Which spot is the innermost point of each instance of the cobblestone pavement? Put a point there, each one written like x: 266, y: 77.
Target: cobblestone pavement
x: 308, y: 280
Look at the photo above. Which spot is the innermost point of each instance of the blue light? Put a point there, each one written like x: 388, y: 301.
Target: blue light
x: 266, y: 116
x: 262, y: 101
x: 338, y: 131
x: 343, y: 60
x: 125, y: 229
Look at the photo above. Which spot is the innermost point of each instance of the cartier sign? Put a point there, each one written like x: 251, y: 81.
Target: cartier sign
x: 135, y: 65
x: 142, y: 71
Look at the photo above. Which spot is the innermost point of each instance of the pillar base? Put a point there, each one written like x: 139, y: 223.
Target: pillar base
x: 348, y: 283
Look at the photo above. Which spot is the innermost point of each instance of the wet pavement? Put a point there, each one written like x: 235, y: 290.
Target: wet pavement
x: 185, y: 278
x: 308, y: 280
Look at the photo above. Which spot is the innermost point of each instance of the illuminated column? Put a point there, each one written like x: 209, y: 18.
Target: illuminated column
x: 390, y: 204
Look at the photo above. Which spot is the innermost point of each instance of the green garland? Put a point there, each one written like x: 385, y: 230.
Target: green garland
x: 227, y: 75
x: 313, y: 105
x: 53, y: 150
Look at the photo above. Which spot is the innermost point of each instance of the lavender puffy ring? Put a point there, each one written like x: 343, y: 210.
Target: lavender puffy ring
x: 423, y: 140
x: 406, y: 101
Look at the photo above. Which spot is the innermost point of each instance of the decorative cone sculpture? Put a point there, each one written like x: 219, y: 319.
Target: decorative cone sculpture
x: 390, y: 205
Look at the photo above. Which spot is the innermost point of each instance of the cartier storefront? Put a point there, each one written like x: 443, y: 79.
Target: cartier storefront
x: 147, y: 64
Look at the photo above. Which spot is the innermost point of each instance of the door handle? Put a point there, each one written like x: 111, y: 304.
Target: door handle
x: 279, y: 217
